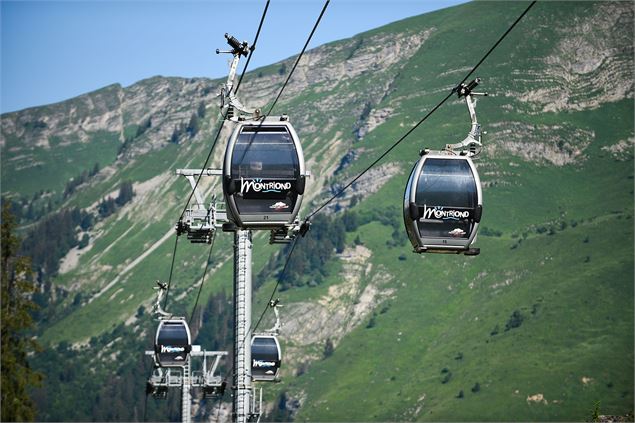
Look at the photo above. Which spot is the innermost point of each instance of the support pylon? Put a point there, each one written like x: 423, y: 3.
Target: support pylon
x: 186, y: 398
x: 242, y: 327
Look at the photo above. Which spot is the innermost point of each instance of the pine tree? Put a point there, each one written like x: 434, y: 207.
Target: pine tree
x: 95, y: 169
x: 192, y: 126
x: 329, y: 348
x: 200, y: 111
x: 125, y: 193
x: 176, y: 135
x: 16, y: 287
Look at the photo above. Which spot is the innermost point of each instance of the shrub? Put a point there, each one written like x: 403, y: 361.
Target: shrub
x: 302, y: 368
x: 83, y: 243
x: 329, y: 349
x: 372, y: 322
x: 515, y: 320
x: 447, y: 377
x: 350, y: 221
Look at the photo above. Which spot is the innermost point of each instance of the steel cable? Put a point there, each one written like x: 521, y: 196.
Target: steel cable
x: 348, y: 185
x: 284, y: 85
x: 216, y: 137
x: 317, y: 22
x: 200, y: 288
x: 253, y: 328
x: 253, y: 47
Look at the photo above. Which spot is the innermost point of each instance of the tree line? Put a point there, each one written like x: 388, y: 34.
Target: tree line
x: 17, y: 376
x: 82, y: 178
x: 191, y: 128
x: 83, y: 385
x: 110, y: 205
x: 327, y: 237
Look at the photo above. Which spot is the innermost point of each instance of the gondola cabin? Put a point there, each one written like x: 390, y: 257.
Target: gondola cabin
x: 265, y: 358
x: 172, y: 343
x: 263, y: 174
x: 443, y: 204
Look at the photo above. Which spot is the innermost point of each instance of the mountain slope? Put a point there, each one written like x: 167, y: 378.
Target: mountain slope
x: 538, y: 327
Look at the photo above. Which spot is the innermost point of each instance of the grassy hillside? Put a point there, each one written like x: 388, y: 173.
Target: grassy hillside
x: 538, y: 327
x: 444, y: 330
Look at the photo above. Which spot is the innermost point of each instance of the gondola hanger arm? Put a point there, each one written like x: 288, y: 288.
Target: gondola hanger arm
x: 473, y: 141
x: 161, y: 288
x: 228, y: 97
x: 274, y: 304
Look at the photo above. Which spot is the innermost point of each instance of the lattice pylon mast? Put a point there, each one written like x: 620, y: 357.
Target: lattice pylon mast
x: 242, y: 327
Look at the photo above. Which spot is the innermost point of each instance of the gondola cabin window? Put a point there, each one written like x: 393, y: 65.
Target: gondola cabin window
x: 265, y: 165
x: 443, y: 204
x: 172, y: 343
x: 263, y: 174
x: 447, y: 191
x: 265, y: 357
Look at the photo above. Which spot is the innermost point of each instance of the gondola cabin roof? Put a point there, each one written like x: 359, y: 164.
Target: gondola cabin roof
x: 443, y: 204
x: 173, y: 343
x: 263, y: 174
x: 266, y: 358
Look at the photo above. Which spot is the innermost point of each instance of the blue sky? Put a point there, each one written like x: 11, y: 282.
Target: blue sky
x: 54, y: 50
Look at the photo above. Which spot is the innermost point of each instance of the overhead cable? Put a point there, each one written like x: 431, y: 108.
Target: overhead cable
x: 403, y: 137
x: 200, y: 288
x: 284, y: 85
x: 176, y: 243
x: 280, y: 275
x: 299, y: 56
x: 255, y: 327
x: 252, y: 48
x: 275, y: 288
x: 211, y: 150
x: 209, y: 155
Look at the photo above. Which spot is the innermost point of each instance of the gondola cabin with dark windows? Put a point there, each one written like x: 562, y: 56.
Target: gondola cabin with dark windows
x: 263, y: 174
x: 265, y: 358
x: 172, y: 343
x: 443, y: 204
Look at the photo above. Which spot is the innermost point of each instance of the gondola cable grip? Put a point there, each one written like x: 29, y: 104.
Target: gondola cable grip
x: 473, y: 141
x: 228, y: 99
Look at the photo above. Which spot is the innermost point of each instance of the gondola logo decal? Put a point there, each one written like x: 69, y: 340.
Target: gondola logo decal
x: 262, y: 363
x: 457, y: 233
x: 440, y: 213
x: 168, y: 349
x: 257, y: 185
x: 279, y: 206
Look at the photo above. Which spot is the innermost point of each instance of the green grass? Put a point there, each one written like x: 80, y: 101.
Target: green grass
x: 564, y: 260
x: 54, y: 167
x: 549, y: 353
